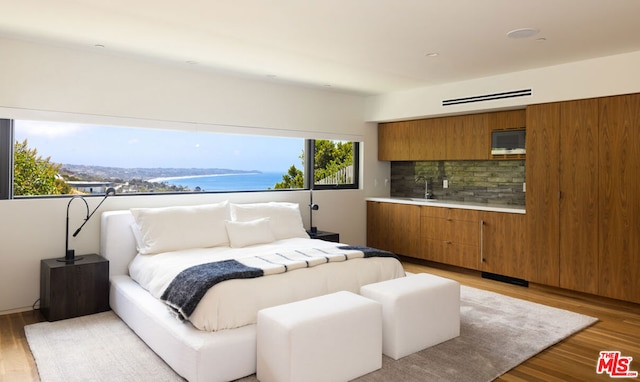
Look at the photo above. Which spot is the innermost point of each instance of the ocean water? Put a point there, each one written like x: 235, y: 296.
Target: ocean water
x: 229, y: 182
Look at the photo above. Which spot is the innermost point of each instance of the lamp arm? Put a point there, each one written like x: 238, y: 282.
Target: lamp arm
x: 66, y: 244
x: 89, y: 215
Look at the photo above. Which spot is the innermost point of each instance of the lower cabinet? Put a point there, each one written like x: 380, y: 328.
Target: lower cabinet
x: 491, y: 242
x: 394, y: 227
x: 502, y: 244
x: 450, y: 236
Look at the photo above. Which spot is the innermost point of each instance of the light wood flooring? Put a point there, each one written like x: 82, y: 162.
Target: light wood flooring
x: 573, y: 359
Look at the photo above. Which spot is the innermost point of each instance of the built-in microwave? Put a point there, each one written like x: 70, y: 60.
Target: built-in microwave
x: 505, y: 142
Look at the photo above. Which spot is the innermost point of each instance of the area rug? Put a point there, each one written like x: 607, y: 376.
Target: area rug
x: 99, y: 347
x: 497, y: 333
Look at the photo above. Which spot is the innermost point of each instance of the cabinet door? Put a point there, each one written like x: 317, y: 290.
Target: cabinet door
x: 404, y: 229
x: 467, y: 137
x: 428, y: 140
x: 579, y: 195
x: 503, y: 240
x: 394, y: 141
x: 378, y: 225
x: 394, y: 227
x: 542, y: 174
x: 619, y: 206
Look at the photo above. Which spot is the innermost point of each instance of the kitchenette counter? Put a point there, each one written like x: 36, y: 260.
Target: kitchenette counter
x: 493, y: 207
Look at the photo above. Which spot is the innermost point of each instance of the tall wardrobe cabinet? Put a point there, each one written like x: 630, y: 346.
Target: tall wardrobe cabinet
x: 583, y: 207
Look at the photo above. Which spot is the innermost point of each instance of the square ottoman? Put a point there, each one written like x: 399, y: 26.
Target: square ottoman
x: 336, y: 337
x: 418, y: 311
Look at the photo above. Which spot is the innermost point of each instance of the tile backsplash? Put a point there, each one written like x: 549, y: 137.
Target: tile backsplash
x: 499, y: 182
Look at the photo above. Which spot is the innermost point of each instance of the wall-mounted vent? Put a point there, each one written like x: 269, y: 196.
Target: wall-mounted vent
x: 487, y: 97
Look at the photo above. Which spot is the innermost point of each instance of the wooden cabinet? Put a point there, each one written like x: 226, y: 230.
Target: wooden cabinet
x: 502, y: 244
x: 411, y: 140
x: 542, y: 197
x: 453, y: 236
x: 76, y: 289
x: 428, y: 141
x: 394, y: 139
x: 619, y: 204
x: 464, y: 137
x: 467, y: 137
x: 506, y: 120
x: 583, y: 215
x: 562, y: 194
x: 450, y: 236
x: 578, y: 250
x: 325, y: 235
x: 394, y: 227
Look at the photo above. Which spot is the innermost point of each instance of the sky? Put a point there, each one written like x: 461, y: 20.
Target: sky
x: 69, y: 143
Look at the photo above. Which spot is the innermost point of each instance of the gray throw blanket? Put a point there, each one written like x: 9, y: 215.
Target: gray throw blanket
x: 187, y: 289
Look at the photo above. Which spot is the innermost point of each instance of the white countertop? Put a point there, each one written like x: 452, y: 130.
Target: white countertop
x: 453, y: 204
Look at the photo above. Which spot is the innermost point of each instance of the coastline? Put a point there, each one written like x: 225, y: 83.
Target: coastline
x: 168, y: 178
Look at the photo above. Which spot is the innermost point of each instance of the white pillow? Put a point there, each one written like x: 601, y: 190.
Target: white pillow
x: 174, y: 228
x: 285, y: 218
x: 252, y: 232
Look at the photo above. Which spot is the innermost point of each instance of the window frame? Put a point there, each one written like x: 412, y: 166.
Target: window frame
x: 6, y: 170
x: 355, y: 183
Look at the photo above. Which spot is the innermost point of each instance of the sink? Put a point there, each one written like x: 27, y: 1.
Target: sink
x: 423, y: 200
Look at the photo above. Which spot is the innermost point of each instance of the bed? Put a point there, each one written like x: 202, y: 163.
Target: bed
x: 224, y: 348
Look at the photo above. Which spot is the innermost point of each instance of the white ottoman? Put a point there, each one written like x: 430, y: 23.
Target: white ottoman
x: 336, y: 337
x: 418, y: 311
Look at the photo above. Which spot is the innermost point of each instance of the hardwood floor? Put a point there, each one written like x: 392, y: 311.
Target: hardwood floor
x: 573, y: 359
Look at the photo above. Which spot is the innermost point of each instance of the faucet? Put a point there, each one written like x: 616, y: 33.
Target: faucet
x: 421, y: 178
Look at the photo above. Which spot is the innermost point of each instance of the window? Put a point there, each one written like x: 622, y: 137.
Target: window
x: 333, y: 164
x: 53, y: 158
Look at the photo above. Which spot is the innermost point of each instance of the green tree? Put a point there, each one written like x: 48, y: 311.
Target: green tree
x: 329, y: 158
x: 34, y: 175
x: 294, y: 178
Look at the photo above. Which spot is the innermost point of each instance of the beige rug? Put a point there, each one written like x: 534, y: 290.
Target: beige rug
x: 497, y: 334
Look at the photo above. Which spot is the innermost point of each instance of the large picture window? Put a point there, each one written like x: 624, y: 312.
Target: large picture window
x: 51, y: 158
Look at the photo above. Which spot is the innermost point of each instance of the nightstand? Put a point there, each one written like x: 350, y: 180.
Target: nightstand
x: 72, y: 290
x: 325, y: 235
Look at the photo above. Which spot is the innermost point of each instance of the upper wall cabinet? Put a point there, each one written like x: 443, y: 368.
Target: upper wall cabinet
x: 465, y: 137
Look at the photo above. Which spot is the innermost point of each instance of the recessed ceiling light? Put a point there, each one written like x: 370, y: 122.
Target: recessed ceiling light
x: 99, y: 46
x: 190, y: 62
x: 523, y: 33
x: 541, y: 39
x: 432, y: 54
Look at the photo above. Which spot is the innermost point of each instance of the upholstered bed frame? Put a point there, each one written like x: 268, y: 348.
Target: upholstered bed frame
x: 195, y: 355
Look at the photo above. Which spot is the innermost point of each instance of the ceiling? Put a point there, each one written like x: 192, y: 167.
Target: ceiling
x: 360, y: 46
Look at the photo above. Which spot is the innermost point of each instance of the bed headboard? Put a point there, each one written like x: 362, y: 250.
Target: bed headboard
x: 117, y: 243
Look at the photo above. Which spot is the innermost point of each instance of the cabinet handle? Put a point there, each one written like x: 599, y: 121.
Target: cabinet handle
x: 481, y: 241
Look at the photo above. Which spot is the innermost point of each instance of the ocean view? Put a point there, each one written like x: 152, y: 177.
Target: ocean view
x: 227, y: 182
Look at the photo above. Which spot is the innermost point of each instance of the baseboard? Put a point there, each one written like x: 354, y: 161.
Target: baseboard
x: 505, y: 279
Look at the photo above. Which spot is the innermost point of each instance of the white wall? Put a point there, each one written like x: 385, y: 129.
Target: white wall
x: 598, y: 77
x: 56, y: 83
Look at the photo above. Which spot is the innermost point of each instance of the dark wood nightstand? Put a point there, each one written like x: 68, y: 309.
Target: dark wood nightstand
x: 325, y: 235
x: 72, y: 290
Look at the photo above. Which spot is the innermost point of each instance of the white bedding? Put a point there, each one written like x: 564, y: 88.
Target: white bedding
x: 235, y: 303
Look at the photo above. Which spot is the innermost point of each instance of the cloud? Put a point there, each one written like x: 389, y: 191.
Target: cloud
x: 50, y: 129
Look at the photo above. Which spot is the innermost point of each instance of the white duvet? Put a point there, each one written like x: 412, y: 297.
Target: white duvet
x: 235, y: 303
